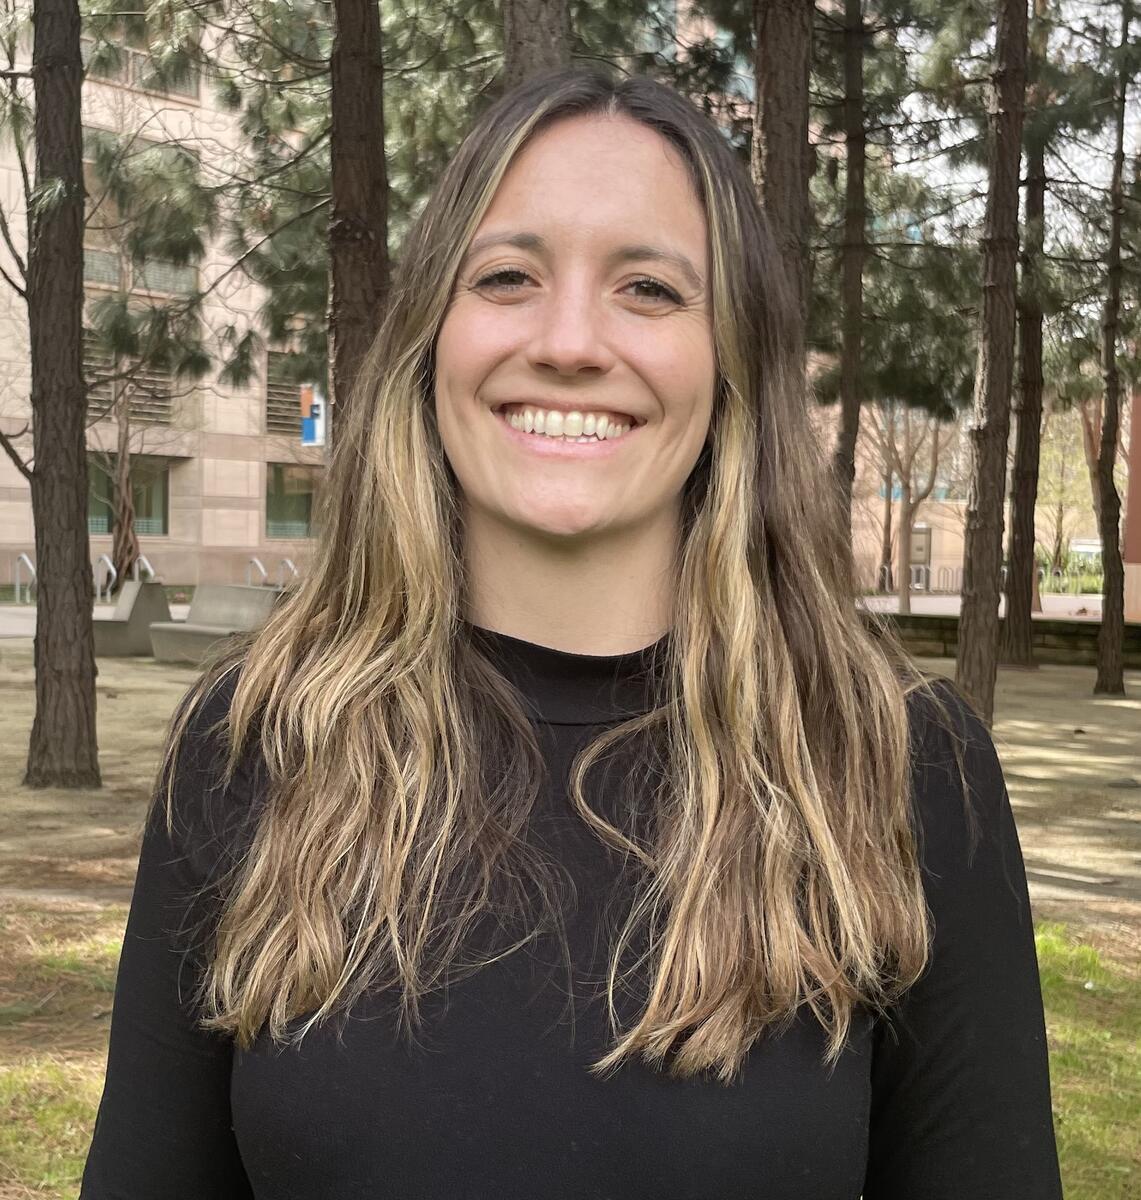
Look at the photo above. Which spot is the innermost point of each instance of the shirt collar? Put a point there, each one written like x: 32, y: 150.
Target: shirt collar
x: 562, y: 688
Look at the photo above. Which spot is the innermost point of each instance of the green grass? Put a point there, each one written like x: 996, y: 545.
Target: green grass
x: 92, y: 963
x: 47, y: 1110
x: 1093, y: 1018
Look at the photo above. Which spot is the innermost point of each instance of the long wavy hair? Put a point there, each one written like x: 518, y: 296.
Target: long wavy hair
x: 779, y: 866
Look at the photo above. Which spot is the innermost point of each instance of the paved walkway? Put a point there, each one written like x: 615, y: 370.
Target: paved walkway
x: 19, y: 620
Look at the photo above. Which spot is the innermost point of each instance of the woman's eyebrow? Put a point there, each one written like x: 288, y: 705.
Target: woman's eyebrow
x: 628, y: 253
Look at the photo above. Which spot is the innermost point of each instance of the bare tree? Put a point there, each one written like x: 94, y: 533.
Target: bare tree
x: 909, y: 439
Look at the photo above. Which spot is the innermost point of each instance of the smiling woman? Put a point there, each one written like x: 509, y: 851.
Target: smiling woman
x: 589, y: 729
x: 553, y: 311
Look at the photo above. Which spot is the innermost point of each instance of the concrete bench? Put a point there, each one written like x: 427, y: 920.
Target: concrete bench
x: 218, y: 611
x: 127, y: 630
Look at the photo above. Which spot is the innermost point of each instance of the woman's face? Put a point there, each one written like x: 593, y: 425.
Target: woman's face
x: 585, y: 289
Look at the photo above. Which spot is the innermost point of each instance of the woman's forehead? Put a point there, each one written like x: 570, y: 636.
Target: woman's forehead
x: 596, y: 183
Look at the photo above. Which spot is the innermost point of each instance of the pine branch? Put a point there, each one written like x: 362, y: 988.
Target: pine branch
x: 6, y: 233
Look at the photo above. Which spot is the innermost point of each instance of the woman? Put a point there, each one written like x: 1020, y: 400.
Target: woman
x: 581, y: 630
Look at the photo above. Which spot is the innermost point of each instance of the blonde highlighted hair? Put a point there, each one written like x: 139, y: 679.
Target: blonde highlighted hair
x: 780, y: 865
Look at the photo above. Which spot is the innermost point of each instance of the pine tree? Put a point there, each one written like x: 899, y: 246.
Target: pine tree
x: 63, y: 750
x: 978, y: 622
x: 781, y: 157
x: 1110, y: 641
x: 358, y: 229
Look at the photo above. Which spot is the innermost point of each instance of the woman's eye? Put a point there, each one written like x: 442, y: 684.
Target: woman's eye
x: 500, y: 280
x: 496, y: 276
x: 662, y: 289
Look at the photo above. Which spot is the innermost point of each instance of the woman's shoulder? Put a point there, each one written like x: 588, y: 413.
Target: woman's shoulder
x: 211, y: 811
x: 959, y: 795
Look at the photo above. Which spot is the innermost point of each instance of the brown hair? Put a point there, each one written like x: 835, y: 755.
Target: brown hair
x: 401, y: 766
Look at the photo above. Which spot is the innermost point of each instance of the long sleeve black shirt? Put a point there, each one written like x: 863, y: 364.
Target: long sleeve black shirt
x: 948, y: 1100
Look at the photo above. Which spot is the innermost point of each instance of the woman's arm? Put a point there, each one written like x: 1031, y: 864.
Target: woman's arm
x: 960, y: 1077
x: 163, y: 1126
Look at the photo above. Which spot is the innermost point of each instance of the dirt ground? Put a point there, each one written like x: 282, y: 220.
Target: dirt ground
x: 1072, y: 762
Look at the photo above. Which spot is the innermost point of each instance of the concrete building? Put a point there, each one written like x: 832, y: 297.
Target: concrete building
x: 220, y: 477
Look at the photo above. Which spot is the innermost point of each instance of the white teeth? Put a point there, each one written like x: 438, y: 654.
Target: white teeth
x: 572, y: 426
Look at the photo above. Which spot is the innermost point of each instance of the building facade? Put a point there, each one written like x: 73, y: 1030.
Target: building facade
x: 223, y: 489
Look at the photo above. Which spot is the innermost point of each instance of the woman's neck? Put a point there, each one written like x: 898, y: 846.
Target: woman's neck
x: 611, y: 594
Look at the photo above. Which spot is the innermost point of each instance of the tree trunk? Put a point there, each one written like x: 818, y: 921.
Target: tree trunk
x: 982, y: 552
x: 1017, y: 626
x: 1059, y: 538
x: 781, y: 157
x: 536, y: 37
x: 358, y: 229
x: 905, y: 525
x: 63, y: 751
x: 1091, y: 418
x: 855, y: 250
x: 883, y: 584
x: 124, y: 543
x: 1111, y: 636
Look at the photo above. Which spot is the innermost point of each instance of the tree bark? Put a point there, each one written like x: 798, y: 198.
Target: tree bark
x: 124, y: 542
x: 536, y: 37
x: 1016, y: 641
x: 781, y: 157
x: 883, y: 583
x: 989, y: 433
x: 854, y: 254
x: 1091, y: 417
x: 1111, y: 636
x: 906, y: 526
x: 63, y: 751
x: 358, y: 228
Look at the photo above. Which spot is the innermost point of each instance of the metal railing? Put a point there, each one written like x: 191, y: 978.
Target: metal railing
x: 112, y: 575
x: 16, y: 573
x: 281, y: 568
x: 255, y: 562
x: 144, y: 562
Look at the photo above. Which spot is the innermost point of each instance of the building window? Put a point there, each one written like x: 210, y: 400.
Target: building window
x: 290, y: 492
x: 150, y: 487
x: 282, y: 395
x: 149, y: 388
x: 112, y: 61
x: 108, y: 259
x: 102, y: 267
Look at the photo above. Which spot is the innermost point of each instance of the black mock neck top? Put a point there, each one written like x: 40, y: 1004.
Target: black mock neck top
x: 949, y: 1099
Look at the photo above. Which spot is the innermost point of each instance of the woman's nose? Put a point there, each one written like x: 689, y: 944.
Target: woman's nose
x: 569, y: 332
